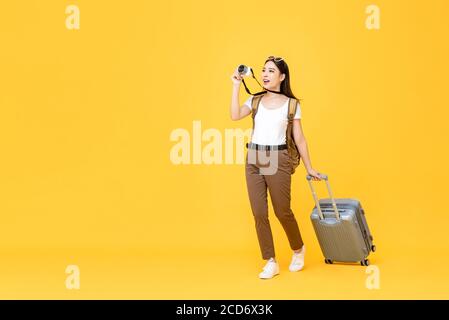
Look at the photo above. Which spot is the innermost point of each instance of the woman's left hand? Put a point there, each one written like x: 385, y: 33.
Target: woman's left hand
x: 315, y: 175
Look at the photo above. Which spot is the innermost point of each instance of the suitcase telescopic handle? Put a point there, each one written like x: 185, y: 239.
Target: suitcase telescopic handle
x: 315, y: 198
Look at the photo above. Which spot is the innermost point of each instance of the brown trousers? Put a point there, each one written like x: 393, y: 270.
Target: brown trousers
x: 278, y: 180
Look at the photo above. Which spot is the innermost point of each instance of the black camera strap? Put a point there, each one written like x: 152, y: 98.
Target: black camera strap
x: 258, y: 93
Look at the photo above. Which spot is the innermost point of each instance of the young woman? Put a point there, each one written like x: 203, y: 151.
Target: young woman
x: 269, y: 140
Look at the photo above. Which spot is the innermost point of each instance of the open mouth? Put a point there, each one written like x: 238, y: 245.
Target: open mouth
x: 266, y: 81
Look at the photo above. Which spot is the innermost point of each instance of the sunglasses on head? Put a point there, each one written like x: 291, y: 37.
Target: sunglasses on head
x: 275, y: 59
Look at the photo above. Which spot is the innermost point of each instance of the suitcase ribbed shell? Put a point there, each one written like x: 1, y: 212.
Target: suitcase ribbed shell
x: 344, y: 240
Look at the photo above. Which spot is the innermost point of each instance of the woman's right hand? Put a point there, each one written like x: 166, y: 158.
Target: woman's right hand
x: 236, y: 77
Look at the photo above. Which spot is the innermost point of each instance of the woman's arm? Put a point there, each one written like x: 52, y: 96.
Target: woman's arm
x: 301, y: 143
x: 237, y: 112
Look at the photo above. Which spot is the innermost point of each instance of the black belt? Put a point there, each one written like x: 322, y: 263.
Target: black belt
x: 266, y: 147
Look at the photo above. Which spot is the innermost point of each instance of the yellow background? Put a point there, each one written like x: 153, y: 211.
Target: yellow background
x: 86, y: 116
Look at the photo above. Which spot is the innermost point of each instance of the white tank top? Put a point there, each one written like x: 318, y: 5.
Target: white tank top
x: 270, y: 125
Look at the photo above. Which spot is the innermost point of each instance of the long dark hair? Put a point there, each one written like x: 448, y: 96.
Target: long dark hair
x: 285, y: 84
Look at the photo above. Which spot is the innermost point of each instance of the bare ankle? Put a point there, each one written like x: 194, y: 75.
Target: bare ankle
x: 298, y: 250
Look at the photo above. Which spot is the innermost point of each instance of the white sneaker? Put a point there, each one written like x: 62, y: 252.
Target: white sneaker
x: 270, y: 270
x: 298, y: 260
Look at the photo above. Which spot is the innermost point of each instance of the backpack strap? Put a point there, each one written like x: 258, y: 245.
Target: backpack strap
x: 292, y: 104
x: 292, y: 108
x: 255, y: 106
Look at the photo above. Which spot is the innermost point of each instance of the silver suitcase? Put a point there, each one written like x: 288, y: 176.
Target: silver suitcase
x: 341, y: 228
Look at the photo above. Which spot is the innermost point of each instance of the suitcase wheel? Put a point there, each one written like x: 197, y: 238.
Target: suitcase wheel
x: 364, y: 262
x: 328, y: 261
x: 373, y: 248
